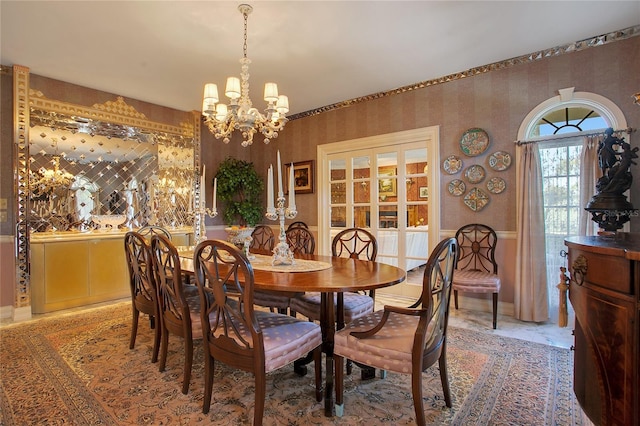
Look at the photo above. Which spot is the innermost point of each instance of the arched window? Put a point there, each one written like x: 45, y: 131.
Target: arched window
x: 561, y: 132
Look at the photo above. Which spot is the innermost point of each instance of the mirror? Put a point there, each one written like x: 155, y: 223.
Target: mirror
x: 87, y: 173
x: 127, y: 164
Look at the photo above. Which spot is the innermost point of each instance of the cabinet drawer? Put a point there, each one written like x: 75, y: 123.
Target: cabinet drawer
x: 610, y: 272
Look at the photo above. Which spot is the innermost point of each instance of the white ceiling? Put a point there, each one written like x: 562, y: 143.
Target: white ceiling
x: 319, y: 53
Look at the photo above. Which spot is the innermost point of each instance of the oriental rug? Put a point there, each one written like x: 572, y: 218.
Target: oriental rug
x: 77, y: 369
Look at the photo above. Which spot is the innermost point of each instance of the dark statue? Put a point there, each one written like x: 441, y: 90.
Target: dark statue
x: 609, y: 208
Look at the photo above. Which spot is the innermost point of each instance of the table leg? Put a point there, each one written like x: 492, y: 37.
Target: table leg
x: 327, y: 323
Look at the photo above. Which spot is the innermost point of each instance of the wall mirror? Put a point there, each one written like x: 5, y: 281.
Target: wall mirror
x: 84, y: 170
x: 86, y: 173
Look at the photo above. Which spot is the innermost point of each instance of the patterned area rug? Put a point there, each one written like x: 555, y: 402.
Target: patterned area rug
x: 77, y: 369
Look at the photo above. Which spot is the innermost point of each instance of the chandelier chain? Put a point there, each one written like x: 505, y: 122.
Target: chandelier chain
x: 244, y: 47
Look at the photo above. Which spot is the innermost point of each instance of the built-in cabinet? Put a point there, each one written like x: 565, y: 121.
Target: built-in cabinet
x: 70, y: 269
x: 605, y: 293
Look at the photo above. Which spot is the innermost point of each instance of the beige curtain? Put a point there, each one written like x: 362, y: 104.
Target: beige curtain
x: 530, y: 294
x: 588, y: 177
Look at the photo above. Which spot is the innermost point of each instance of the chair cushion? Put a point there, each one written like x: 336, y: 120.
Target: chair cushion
x: 271, y: 299
x: 286, y: 339
x: 389, y: 349
x: 476, y: 282
x: 355, y: 305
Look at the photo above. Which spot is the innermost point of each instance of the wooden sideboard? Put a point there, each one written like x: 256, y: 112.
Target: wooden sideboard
x: 70, y: 269
x: 604, y: 291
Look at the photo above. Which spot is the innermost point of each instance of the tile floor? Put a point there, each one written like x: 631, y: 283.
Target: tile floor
x: 545, y: 333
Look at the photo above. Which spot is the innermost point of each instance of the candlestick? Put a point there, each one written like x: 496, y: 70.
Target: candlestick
x: 282, y: 254
x: 292, y: 189
x: 215, y: 190
x: 203, y: 202
x: 270, y: 205
x: 280, y: 193
x: 201, y: 211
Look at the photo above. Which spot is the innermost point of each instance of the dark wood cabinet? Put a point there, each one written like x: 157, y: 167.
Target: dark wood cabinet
x: 605, y: 293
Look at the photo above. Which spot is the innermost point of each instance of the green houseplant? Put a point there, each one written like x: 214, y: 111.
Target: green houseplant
x: 240, y: 189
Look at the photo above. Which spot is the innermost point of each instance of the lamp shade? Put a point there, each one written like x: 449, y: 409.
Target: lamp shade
x: 221, y: 112
x: 271, y: 92
x: 211, y: 93
x: 233, y: 88
x: 283, y: 104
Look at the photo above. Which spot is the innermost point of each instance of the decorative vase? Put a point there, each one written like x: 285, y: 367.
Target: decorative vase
x: 237, y: 236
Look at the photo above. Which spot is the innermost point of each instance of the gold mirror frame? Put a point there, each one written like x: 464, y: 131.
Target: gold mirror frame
x: 113, y: 112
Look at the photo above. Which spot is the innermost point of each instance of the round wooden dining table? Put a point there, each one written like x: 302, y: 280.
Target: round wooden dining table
x: 344, y: 274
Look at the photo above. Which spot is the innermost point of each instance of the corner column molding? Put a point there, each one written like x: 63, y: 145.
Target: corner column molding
x: 22, y: 296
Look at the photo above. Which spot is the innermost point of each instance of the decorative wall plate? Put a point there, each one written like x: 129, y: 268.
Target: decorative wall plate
x: 474, y: 142
x: 452, y: 164
x: 496, y: 185
x: 500, y: 160
x: 457, y: 187
x: 476, y: 199
x: 475, y: 173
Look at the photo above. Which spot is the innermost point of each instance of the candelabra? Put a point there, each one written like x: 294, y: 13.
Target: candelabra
x: 201, y: 213
x: 282, y: 254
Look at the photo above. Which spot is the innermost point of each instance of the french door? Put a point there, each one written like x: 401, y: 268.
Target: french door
x: 385, y: 189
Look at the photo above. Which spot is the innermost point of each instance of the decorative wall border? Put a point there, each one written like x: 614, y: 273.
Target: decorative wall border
x: 117, y: 111
x: 507, y: 63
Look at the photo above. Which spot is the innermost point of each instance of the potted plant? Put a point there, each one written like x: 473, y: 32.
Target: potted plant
x: 240, y: 189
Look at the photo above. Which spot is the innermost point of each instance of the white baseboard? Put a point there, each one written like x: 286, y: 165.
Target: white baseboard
x: 6, y: 312
x: 16, y: 314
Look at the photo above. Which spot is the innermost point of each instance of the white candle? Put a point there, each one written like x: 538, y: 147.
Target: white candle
x: 215, y: 190
x: 203, y: 201
x: 270, y: 188
x: 280, y: 193
x: 292, y: 189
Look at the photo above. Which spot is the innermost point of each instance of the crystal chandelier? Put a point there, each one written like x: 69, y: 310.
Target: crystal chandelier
x: 222, y: 119
x: 50, y: 179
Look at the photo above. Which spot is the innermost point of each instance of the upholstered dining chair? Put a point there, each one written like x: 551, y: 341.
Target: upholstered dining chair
x: 178, y: 303
x: 239, y: 336
x: 263, y: 241
x: 477, y: 267
x: 300, y: 240
x: 298, y: 224
x: 149, y: 231
x: 405, y: 340
x: 355, y: 243
x: 144, y: 298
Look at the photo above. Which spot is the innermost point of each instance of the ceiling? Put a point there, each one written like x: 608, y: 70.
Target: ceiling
x: 319, y: 53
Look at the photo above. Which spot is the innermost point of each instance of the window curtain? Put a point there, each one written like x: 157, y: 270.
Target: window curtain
x: 588, y: 179
x: 531, y: 301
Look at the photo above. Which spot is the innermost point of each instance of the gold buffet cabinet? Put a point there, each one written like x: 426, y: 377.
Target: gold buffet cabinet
x: 604, y: 291
x: 69, y: 270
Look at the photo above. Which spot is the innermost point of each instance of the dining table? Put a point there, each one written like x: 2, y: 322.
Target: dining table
x: 328, y: 275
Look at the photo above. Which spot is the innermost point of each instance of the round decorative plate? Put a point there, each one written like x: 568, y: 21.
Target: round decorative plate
x: 476, y: 199
x: 475, y: 173
x: 452, y: 164
x: 457, y: 187
x: 474, y: 142
x: 496, y: 185
x: 500, y: 160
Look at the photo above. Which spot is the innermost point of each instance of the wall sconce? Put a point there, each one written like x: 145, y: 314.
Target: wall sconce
x: 636, y: 98
x: 409, y: 181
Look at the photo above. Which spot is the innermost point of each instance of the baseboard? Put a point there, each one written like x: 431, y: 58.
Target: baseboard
x: 6, y: 312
